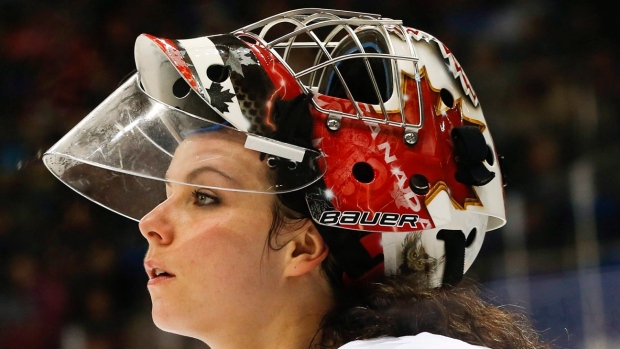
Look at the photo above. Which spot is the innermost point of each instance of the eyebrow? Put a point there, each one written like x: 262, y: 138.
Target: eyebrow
x: 198, y: 171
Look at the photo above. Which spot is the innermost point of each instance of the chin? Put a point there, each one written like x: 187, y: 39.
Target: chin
x: 165, y: 320
x: 173, y: 325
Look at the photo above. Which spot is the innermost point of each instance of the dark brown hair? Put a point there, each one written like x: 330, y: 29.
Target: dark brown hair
x: 404, y: 304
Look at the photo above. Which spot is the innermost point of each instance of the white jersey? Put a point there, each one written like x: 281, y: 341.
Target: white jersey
x: 423, y: 340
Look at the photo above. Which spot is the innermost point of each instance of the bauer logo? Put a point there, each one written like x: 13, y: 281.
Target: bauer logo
x: 368, y: 219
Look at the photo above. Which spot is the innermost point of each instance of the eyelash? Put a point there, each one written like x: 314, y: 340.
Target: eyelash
x: 198, y: 195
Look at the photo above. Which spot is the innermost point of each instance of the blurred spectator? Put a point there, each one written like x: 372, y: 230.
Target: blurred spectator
x: 32, y: 311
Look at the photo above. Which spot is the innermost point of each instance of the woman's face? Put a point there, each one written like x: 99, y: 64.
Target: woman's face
x: 211, y: 243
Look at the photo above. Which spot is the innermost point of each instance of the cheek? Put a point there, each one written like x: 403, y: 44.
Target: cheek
x: 233, y: 244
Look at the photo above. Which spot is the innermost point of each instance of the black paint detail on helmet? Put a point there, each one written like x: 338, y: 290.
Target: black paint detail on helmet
x: 490, y: 159
x: 471, y: 237
x: 254, y: 90
x: 219, y: 98
x: 470, y: 151
x: 454, y: 254
x: 352, y: 257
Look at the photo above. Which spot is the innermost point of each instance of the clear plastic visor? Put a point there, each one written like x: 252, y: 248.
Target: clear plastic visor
x: 126, y: 152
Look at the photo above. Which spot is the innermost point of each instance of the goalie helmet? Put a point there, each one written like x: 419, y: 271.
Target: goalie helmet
x: 375, y: 122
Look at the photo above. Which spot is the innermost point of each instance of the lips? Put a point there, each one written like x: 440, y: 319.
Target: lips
x: 156, y: 271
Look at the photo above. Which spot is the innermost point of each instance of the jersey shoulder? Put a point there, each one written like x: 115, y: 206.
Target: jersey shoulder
x: 420, y: 341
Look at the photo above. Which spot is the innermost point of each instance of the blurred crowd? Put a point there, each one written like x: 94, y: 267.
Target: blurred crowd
x: 71, y: 272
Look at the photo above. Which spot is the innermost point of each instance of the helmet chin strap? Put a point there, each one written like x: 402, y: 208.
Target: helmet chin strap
x: 454, y: 264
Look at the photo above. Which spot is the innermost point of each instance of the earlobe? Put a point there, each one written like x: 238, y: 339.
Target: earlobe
x: 306, y: 251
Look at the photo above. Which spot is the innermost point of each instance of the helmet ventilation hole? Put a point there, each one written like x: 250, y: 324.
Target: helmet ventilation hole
x: 447, y: 98
x: 180, y: 88
x: 363, y: 172
x: 218, y: 72
x: 419, y: 184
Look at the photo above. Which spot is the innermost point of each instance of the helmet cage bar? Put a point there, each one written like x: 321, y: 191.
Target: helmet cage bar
x: 309, y: 31
x: 368, y: 69
x: 308, y: 21
x: 306, y: 12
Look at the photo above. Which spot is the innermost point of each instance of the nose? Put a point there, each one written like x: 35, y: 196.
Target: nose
x: 156, y: 226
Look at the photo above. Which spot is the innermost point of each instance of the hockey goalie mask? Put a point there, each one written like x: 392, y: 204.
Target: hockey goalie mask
x: 376, y: 122
x: 406, y: 143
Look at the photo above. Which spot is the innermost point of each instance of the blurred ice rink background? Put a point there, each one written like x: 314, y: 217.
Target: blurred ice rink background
x: 546, y: 72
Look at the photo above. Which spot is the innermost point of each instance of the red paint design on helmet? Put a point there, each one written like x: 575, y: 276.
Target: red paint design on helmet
x: 392, y: 161
x: 171, y: 49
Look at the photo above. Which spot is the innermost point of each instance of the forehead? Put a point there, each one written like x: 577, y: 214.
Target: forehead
x: 220, y: 156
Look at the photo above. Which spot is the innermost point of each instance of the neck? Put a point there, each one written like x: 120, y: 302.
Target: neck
x: 288, y: 321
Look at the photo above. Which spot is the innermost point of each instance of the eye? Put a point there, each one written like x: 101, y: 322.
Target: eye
x: 203, y: 199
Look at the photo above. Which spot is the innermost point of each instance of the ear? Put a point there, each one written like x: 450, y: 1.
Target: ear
x: 305, y: 251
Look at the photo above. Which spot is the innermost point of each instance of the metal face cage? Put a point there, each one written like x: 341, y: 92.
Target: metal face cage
x: 324, y: 51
